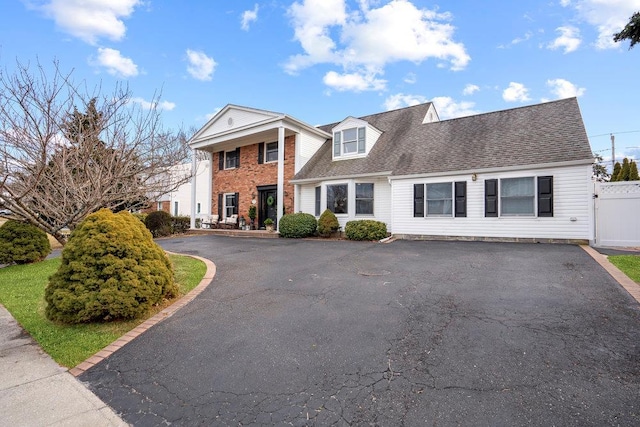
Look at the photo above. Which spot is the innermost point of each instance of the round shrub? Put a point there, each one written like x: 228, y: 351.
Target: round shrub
x: 159, y: 223
x: 22, y: 243
x: 328, y: 223
x: 111, y: 269
x: 365, y: 229
x: 297, y: 225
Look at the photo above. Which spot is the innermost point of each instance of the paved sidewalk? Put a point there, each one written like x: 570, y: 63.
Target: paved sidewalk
x: 36, y: 391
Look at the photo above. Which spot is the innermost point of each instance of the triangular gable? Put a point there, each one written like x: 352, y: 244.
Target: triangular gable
x: 233, y: 117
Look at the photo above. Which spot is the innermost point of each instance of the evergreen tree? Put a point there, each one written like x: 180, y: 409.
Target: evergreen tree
x: 615, y: 176
x: 624, y: 173
x: 633, y: 172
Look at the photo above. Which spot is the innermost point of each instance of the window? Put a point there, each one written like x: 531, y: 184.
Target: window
x: 364, y: 199
x: 159, y: 207
x: 229, y: 159
x: 175, y: 209
x: 271, y: 154
x: 230, y: 204
x: 337, y: 197
x: 349, y: 142
x: 439, y: 199
x: 198, y: 208
x: 317, y: 201
x: 517, y: 196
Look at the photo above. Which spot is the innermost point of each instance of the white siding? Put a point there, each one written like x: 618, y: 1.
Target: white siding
x: 572, y: 215
x: 306, y: 146
x: 182, y: 195
x: 381, y: 200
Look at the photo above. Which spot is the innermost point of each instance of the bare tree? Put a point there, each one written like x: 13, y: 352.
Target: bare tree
x: 58, y: 164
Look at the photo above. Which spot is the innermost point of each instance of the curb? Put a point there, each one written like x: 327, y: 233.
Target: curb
x: 144, y: 326
x: 629, y: 285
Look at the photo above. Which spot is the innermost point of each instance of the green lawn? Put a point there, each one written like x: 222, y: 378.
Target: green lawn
x: 22, y: 293
x: 628, y: 264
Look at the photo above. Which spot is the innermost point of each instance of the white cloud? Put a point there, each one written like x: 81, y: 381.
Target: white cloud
x: 562, y: 88
x: 569, y: 39
x: 470, y: 89
x: 606, y: 16
x: 448, y: 108
x: 162, y: 105
x: 115, y: 63
x: 516, y: 92
x: 249, y: 16
x: 201, y: 66
x: 329, y: 33
x: 401, y: 100
x: 355, y: 82
x: 90, y: 20
x: 410, y: 78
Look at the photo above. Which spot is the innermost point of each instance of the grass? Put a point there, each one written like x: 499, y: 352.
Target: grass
x: 22, y: 293
x: 628, y: 264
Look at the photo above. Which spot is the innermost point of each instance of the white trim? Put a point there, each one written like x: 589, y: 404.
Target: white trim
x: 341, y: 177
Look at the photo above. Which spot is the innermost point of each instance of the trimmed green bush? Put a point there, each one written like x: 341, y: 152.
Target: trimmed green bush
x: 159, y: 223
x: 111, y: 269
x: 365, y: 229
x: 22, y: 243
x: 141, y: 216
x: 180, y: 224
x: 328, y: 223
x: 297, y: 225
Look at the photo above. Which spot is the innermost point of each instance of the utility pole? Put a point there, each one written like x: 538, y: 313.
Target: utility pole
x: 613, y: 152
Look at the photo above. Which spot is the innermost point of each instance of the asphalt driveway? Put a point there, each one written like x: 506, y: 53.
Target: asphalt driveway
x: 299, y: 332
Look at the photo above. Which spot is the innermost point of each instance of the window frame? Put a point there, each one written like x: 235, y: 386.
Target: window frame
x: 450, y: 200
x: 543, y: 190
x: 371, y: 199
x: 360, y: 141
x: 228, y: 157
x: 331, y: 198
x: 513, y: 198
x: 318, y: 200
x: 234, y: 206
x: 271, y: 151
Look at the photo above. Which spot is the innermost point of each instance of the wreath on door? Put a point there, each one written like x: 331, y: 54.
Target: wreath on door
x: 270, y: 201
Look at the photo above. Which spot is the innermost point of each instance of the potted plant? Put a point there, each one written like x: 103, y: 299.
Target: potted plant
x: 252, y: 215
x: 268, y: 224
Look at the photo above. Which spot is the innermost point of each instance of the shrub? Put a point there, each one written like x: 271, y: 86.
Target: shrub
x: 141, y: 216
x: 328, y: 223
x: 111, y: 269
x: 297, y: 225
x: 159, y: 223
x: 22, y: 243
x: 180, y: 224
x: 365, y: 229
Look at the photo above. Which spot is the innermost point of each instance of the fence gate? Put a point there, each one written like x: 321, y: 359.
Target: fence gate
x: 617, y: 213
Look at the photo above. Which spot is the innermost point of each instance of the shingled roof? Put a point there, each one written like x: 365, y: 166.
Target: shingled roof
x: 545, y: 133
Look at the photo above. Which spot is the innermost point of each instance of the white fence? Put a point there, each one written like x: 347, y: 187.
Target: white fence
x: 617, y: 213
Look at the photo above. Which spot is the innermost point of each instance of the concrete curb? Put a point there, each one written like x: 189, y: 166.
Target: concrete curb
x: 629, y: 285
x: 140, y: 329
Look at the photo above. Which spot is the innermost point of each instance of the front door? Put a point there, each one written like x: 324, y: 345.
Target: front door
x: 267, y: 204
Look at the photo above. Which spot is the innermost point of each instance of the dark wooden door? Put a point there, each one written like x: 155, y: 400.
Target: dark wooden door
x: 268, y: 205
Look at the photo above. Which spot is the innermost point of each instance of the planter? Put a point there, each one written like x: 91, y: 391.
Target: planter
x: 269, y: 227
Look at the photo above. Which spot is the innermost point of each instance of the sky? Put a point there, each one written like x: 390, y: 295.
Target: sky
x: 321, y: 61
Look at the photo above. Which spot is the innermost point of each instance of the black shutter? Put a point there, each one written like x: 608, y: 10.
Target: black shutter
x: 261, y: 153
x: 318, y: 201
x: 237, y: 204
x: 491, y: 197
x: 545, y: 196
x: 238, y: 157
x: 461, y: 198
x: 220, y: 206
x: 221, y: 160
x: 418, y: 200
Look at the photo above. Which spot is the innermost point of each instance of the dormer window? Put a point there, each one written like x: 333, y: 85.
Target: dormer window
x: 349, y: 141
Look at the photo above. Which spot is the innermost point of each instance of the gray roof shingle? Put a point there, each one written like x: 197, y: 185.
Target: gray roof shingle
x: 538, y: 134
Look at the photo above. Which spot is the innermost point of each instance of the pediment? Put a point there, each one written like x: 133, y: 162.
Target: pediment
x: 233, y: 118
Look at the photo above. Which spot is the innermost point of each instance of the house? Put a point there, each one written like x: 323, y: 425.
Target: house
x: 518, y: 173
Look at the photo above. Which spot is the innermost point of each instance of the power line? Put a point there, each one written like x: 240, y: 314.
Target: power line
x: 614, y: 133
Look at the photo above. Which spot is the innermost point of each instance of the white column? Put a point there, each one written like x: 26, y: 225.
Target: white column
x: 280, y: 194
x: 194, y: 170
x: 296, y: 198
